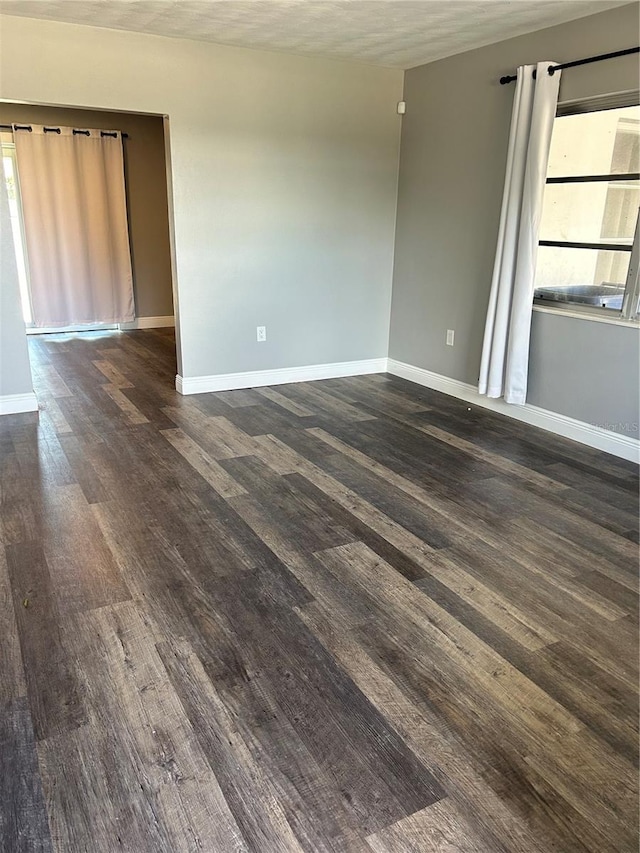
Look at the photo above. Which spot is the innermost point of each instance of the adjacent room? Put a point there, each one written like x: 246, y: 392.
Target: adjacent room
x: 319, y: 426
x: 90, y: 215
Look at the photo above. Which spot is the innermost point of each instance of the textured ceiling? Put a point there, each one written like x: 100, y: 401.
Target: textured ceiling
x: 399, y: 33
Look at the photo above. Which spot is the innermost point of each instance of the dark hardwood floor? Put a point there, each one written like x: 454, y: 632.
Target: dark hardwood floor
x: 348, y: 615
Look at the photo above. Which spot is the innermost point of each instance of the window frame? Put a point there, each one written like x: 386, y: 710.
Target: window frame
x: 630, y: 311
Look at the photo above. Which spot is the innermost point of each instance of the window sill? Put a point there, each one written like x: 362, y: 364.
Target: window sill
x: 585, y: 315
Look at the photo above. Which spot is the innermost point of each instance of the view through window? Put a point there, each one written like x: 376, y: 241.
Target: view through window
x: 590, y: 211
x: 11, y: 180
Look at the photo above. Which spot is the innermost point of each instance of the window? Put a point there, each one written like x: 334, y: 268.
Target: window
x: 10, y: 174
x: 589, y: 242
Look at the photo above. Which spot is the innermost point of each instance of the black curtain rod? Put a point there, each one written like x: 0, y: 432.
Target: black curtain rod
x: 553, y: 68
x: 76, y: 132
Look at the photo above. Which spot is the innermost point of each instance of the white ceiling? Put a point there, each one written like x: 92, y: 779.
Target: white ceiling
x: 397, y: 33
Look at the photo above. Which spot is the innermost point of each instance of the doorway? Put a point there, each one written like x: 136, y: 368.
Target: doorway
x: 147, y: 209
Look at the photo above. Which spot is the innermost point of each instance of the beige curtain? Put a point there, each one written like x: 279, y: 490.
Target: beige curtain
x: 75, y: 223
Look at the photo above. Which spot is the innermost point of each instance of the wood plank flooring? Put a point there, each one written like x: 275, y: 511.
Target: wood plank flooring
x: 349, y: 615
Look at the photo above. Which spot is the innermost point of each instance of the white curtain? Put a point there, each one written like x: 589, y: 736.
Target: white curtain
x: 505, y: 351
x: 75, y: 224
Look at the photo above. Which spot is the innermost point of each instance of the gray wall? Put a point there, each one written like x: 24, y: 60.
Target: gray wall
x: 146, y: 193
x: 587, y: 370
x: 284, y: 174
x: 15, y: 371
x: 452, y: 162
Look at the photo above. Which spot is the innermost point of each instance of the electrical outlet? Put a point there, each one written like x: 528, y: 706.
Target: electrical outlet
x: 450, y: 336
x: 261, y: 333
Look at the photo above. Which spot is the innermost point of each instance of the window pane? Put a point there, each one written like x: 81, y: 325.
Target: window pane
x: 600, y: 143
x: 9, y: 174
x: 594, y: 212
x: 583, y: 276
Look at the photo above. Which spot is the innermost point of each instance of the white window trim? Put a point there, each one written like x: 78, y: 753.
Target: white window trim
x: 592, y: 316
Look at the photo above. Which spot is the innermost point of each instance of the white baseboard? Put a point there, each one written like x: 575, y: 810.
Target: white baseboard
x: 623, y: 446
x: 281, y: 376
x: 149, y: 323
x: 13, y: 404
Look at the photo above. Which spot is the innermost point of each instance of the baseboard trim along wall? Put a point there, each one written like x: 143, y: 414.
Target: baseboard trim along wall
x: 13, y: 404
x: 623, y: 446
x: 280, y: 376
x: 149, y: 323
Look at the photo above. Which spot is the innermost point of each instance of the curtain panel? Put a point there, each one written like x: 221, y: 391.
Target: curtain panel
x: 75, y: 224
x: 505, y: 351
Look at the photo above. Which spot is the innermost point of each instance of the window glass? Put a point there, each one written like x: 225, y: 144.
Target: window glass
x: 583, y: 217
x: 9, y: 173
x: 598, y: 212
x: 597, y: 143
x: 583, y: 276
